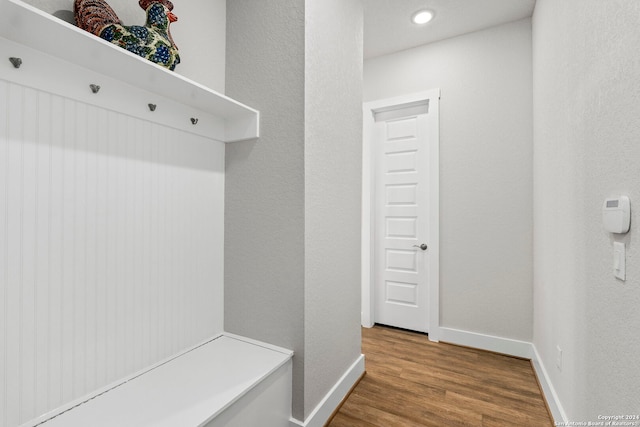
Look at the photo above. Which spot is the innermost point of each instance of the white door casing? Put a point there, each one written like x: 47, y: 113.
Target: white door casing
x: 401, y: 213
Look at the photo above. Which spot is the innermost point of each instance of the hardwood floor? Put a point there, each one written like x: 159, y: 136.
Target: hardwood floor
x: 411, y: 381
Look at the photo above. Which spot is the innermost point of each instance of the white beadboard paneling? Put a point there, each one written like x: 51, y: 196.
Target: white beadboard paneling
x: 42, y: 254
x: 13, y: 304
x: 111, y: 240
x: 28, y: 213
x: 104, y: 303
x: 55, y: 342
x: 4, y: 250
x: 68, y: 215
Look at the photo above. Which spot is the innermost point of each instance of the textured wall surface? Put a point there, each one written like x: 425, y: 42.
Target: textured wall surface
x: 264, y: 206
x: 485, y: 170
x: 586, y: 133
x: 292, y: 224
x: 199, y: 33
x: 333, y: 182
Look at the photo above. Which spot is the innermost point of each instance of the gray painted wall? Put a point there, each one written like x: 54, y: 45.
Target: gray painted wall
x: 264, y: 193
x: 485, y: 170
x: 586, y: 133
x: 333, y: 186
x: 292, y: 218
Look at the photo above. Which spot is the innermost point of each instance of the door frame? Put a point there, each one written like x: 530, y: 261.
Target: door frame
x: 368, y: 210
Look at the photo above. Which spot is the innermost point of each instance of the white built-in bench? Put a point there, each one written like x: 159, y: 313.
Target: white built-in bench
x: 230, y: 381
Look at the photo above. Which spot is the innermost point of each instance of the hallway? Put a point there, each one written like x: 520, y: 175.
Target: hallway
x: 412, y: 382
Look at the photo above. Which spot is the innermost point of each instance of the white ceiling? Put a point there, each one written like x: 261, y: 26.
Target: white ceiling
x: 388, y: 27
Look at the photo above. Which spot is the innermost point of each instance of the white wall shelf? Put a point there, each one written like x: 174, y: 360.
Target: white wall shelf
x: 30, y: 27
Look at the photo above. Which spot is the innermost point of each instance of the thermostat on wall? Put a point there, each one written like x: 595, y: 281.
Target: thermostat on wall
x: 616, y: 214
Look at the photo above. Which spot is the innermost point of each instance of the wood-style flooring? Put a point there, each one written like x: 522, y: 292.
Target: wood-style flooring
x: 411, y: 381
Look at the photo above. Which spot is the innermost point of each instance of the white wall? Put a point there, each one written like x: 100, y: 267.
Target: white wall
x: 586, y: 133
x: 199, y: 33
x: 485, y: 170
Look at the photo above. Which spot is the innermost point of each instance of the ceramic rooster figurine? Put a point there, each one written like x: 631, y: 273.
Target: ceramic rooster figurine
x: 152, y: 41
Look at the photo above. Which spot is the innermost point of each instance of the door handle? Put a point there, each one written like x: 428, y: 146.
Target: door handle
x: 422, y: 246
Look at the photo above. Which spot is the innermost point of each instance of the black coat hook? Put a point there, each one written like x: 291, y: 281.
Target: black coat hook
x: 17, y: 62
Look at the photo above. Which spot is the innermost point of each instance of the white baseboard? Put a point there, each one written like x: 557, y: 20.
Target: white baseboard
x: 487, y: 342
x: 559, y: 416
x: 515, y: 348
x: 325, y: 408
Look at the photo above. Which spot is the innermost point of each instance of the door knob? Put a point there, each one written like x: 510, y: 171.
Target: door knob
x: 422, y: 246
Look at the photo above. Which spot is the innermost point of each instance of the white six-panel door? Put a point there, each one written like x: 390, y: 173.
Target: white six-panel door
x: 402, y: 138
x: 402, y: 207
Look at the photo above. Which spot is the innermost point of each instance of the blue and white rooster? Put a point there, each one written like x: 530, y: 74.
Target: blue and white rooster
x: 152, y: 41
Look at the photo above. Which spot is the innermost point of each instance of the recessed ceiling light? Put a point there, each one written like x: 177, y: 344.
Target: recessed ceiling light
x: 421, y: 17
